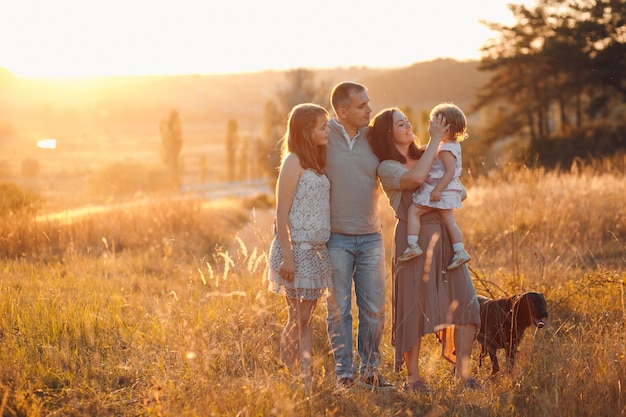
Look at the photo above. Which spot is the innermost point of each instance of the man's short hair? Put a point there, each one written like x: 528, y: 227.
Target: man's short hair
x: 340, y: 96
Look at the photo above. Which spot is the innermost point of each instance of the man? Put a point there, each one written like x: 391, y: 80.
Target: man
x: 356, y: 246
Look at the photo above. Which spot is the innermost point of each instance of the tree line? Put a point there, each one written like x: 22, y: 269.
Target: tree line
x: 558, y: 79
x: 556, y: 83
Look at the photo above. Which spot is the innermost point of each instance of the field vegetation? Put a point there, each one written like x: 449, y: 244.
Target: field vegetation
x: 161, y: 308
x: 122, y: 294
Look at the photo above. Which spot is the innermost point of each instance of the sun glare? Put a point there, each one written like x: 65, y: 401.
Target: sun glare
x: 47, y: 144
x: 72, y: 38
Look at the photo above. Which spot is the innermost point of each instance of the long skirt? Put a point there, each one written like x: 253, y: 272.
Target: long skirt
x: 426, y: 297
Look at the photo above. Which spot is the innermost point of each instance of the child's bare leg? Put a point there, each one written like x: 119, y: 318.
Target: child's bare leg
x: 447, y: 215
x: 413, y: 220
x: 413, y: 223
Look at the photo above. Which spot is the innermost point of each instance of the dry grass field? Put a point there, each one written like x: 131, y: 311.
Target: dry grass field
x: 162, y: 310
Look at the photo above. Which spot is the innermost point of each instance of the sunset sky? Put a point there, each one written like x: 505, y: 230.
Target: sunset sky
x: 66, y: 38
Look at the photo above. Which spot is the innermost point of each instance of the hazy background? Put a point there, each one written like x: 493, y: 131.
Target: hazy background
x: 101, y: 79
x: 140, y: 37
x: 97, y: 121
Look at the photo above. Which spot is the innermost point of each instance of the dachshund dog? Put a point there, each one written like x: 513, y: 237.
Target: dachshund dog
x: 503, y: 322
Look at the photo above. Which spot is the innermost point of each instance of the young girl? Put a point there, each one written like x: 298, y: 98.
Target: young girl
x: 442, y: 190
x: 300, y: 265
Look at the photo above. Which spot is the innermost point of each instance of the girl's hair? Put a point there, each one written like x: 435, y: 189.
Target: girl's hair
x: 455, y: 119
x: 298, y: 138
x: 380, y: 138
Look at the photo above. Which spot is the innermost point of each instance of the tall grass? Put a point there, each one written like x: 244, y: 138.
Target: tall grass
x: 177, y: 320
x: 189, y: 226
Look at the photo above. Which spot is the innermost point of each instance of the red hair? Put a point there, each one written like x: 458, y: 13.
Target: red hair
x: 298, y: 138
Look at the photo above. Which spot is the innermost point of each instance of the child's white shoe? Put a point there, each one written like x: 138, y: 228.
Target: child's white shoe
x: 460, y: 257
x: 412, y: 251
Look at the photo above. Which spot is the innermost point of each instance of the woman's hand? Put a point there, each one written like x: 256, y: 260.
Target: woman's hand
x: 417, y: 174
x: 437, y: 128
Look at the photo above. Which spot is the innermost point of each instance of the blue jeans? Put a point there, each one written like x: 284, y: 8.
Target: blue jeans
x: 358, y: 258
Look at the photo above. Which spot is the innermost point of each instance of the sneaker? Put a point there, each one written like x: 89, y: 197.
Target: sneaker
x: 345, y: 384
x: 375, y: 382
x: 412, y: 251
x: 460, y: 257
x: 418, y: 386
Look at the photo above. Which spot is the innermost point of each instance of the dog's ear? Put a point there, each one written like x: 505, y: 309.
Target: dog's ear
x: 541, y: 298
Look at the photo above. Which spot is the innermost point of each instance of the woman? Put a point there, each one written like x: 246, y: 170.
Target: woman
x: 426, y: 297
x: 300, y: 266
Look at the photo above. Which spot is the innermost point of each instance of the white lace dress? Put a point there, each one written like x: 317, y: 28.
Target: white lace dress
x: 310, y: 230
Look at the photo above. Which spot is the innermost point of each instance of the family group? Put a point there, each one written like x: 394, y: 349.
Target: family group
x: 328, y: 242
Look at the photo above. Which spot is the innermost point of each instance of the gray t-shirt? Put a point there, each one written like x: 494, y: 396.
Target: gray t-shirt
x: 354, y: 190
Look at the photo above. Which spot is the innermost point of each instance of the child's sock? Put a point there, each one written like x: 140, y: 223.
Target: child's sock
x: 411, y: 240
x: 457, y: 246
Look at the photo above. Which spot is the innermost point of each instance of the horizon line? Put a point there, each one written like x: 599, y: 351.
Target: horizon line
x: 7, y: 72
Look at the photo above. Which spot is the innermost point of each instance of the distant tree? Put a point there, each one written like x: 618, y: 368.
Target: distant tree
x: 557, y: 72
x: 171, y: 145
x: 255, y: 147
x: 274, y: 123
x: 31, y: 168
x: 232, y: 143
x: 300, y: 87
x: 203, y: 169
x: 244, y: 160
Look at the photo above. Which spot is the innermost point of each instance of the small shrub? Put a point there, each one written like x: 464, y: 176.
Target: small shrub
x: 14, y: 200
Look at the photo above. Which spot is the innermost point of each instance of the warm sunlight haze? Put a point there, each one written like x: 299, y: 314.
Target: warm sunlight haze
x: 47, y: 144
x: 68, y: 38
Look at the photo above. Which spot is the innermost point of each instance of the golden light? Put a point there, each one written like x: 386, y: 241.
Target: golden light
x: 47, y: 143
x: 72, y: 38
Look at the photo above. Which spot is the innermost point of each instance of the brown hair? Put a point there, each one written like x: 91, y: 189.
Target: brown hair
x: 298, y: 138
x: 454, y: 117
x: 340, y: 96
x: 380, y: 138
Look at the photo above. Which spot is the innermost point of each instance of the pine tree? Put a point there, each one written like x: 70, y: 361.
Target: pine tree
x: 171, y: 144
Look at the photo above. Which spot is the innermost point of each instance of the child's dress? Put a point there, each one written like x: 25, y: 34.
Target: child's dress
x: 452, y: 195
x: 310, y: 230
